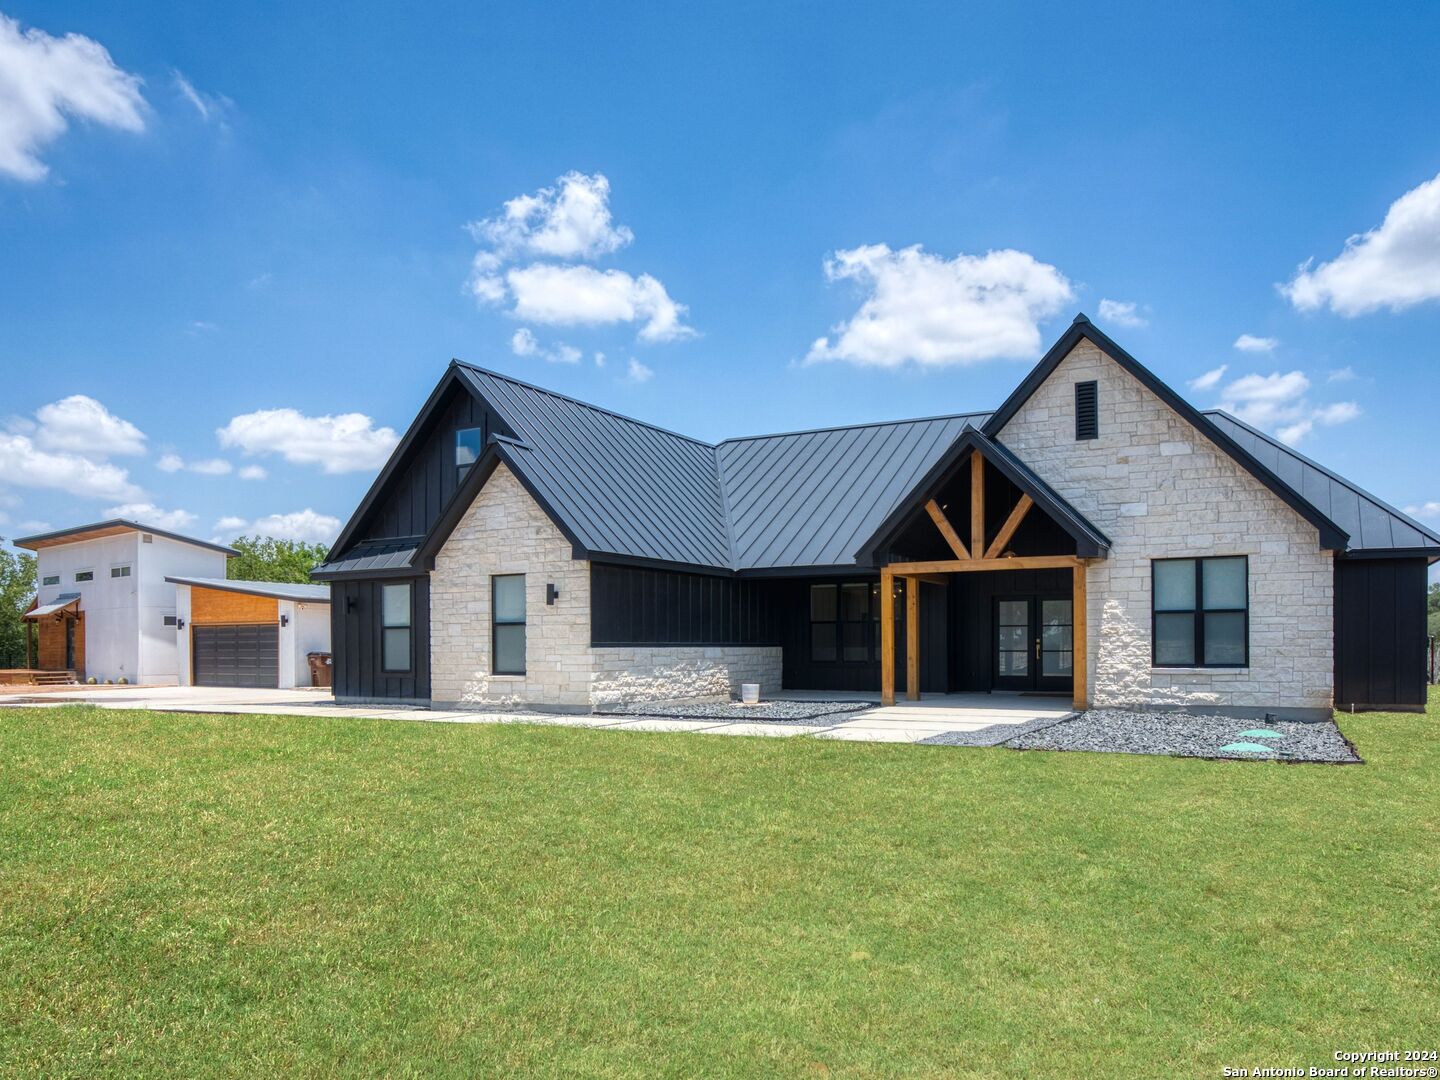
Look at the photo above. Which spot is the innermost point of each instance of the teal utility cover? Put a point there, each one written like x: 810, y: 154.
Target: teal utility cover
x: 1261, y: 733
x: 1248, y: 748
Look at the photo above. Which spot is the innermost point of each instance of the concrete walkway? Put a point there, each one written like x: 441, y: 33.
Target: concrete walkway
x: 907, y: 721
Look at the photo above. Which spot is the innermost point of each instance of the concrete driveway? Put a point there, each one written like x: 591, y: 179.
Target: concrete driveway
x: 987, y: 717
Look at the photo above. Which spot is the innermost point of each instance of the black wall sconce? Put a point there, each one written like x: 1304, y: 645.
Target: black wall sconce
x: 551, y: 594
x: 179, y: 624
x: 349, y: 604
x: 284, y: 620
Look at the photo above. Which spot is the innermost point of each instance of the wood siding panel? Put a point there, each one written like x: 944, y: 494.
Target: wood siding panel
x: 211, y: 606
x: 1380, y: 633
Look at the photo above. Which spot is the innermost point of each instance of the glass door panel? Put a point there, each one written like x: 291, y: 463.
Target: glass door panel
x: 1012, y: 643
x: 1057, y: 656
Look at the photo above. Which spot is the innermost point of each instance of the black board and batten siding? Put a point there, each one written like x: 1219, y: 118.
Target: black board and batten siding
x: 633, y: 605
x: 358, y: 673
x: 414, y: 496
x: 1380, y: 634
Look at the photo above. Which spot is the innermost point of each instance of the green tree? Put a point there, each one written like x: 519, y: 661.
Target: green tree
x: 264, y: 558
x: 1433, y: 608
x: 17, y: 589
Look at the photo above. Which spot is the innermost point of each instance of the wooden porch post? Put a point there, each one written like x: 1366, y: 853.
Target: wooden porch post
x: 887, y: 638
x: 912, y: 639
x: 1079, y: 631
x: 30, y: 644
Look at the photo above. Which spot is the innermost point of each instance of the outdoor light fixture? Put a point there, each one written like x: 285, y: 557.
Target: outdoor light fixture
x: 284, y: 620
x: 349, y: 604
x: 551, y: 594
x: 179, y: 624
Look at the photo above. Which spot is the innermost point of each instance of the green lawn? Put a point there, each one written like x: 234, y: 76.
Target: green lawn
x: 187, y: 895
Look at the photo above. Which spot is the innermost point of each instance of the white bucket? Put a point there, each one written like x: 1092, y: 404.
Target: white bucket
x: 750, y: 693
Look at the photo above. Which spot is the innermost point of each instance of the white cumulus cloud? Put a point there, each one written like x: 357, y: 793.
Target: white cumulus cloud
x: 306, y: 525
x: 147, y: 513
x: 24, y: 464
x: 1278, y: 402
x: 554, y: 232
x: 524, y: 343
x: 170, y: 463
x: 45, y: 82
x: 81, y: 425
x: 636, y: 372
x: 252, y: 472
x: 1121, y: 313
x: 212, y: 467
x: 568, y: 221
x: 349, y: 442
x: 1426, y: 509
x: 938, y: 311
x: 1395, y: 265
x: 1251, y: 343
x: 1210, y: 379
x: 584, y: 296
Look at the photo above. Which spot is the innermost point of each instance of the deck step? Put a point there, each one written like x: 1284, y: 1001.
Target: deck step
x: 55, y: 678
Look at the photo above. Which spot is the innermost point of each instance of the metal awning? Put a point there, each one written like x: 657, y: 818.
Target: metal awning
x: 65, y: 600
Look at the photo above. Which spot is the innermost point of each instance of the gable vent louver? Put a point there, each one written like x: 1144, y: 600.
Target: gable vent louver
x: 1087, y: 411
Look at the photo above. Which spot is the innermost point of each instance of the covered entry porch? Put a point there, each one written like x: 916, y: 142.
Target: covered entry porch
x: 1014, y: 585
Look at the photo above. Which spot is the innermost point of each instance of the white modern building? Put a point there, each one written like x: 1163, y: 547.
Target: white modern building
x: 123, y: 600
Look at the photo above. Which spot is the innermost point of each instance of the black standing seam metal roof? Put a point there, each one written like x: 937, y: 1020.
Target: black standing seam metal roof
x: 1373, y: 525
x: 627, y: 489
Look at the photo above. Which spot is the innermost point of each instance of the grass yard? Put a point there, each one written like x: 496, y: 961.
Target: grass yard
x: 188, y: 895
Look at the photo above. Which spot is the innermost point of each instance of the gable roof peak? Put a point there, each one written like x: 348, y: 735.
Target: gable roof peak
x: 1080, y: 318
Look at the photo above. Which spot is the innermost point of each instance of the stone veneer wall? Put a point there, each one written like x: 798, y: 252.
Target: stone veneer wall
x: 1159, y: 489
x: 627, y: 674
x: 506, y: 532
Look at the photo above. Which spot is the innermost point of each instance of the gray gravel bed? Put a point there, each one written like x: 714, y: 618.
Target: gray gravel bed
x: 769, y: 712
x: 995, y: 734
x: 1182, y: 734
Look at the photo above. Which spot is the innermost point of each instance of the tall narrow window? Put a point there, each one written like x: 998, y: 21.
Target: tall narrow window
x: 395, y: 627
x: 1201, y: 612
x: 824, y: 633
x: 507, y: 607
x: 1087, y: 411
x: 467, y: 450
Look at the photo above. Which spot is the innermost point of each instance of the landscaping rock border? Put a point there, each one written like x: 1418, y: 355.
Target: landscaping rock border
x: 1182, y: 734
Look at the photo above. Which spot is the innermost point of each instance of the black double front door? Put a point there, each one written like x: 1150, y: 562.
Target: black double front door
x: 1034, y: 646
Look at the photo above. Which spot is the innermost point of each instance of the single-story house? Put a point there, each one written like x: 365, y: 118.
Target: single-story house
x: 123, y: 600
x: 1094, y: 536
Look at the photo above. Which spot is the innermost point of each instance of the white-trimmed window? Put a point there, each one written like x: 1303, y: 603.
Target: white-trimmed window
x: 84, y: 575
x: 50, y: 579
x: 120, y: 571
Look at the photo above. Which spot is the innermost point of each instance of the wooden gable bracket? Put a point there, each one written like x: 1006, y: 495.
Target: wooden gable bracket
x: 946, y: 529
x: 1007, y: 531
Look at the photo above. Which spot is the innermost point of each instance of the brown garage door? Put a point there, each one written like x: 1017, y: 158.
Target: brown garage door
x: 237, y: 656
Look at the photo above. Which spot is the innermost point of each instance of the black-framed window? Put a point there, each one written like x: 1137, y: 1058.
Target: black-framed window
x: 467, y: 450
x: 50, y: 579
x: 1200, y: 612
x: 843, y: 617
x: 395, y: 639
x: 507, y: 623
x: 85, y: 575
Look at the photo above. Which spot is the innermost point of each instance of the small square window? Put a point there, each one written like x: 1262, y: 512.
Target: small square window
x: 85, y: 575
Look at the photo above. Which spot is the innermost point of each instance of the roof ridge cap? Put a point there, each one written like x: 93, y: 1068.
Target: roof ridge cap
x: 579, y: 401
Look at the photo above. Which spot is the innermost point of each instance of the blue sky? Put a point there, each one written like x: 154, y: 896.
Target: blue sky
x: 280, y: 225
